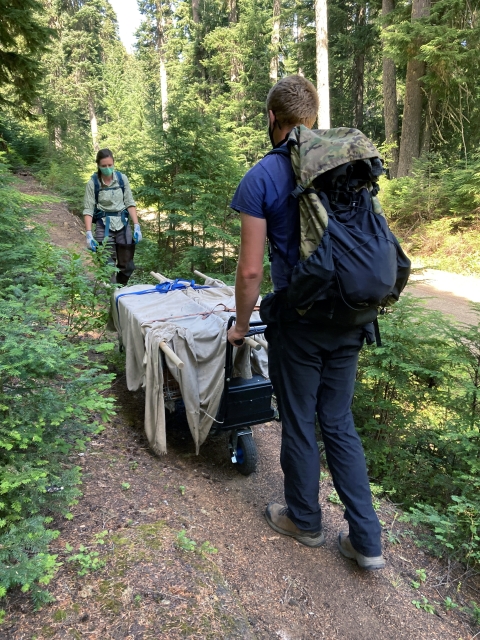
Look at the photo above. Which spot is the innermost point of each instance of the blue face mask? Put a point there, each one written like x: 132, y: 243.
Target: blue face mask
x: 106, y: 171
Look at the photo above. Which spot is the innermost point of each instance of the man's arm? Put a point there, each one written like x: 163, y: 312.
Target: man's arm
x: 249, y: 272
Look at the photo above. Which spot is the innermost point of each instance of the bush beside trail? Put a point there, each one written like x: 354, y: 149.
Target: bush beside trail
x: 437, y: 212
x: 52, y: 392
x: 417, y: 408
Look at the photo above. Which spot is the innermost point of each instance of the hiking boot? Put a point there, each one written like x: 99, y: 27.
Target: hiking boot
x: 277, y: 517
x: 346, y: 549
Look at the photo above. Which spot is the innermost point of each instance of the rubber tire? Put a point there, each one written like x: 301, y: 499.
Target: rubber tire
x: 246, y: 455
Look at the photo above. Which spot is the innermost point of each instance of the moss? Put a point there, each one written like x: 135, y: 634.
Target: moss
x: 59, y: 615
x: 151, y: 534
x: 111, y: 595
x: 119, y: 541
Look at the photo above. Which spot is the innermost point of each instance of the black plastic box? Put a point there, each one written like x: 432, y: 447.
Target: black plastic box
x: 248, y: 402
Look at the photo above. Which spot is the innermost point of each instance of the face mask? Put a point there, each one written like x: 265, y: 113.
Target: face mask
x: 270, y: 135
x: 106, y: 171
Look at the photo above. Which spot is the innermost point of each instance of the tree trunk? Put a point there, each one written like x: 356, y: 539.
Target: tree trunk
x: 390, y: 106
x: 412, y: 112
x: 297, y: 38
x: 321, y: 49
x: 232, y: 12
x: 164, y: 90
x: 429, y: 120
x: 161, y: 40
x: 235, y: 62
x: 57, y: 137
x: 195, y: 11
x: 359, y: 74
x: 93, y: 122
x: 275, y: 41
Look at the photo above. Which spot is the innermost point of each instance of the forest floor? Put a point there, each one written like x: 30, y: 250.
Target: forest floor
x: 156, y: 584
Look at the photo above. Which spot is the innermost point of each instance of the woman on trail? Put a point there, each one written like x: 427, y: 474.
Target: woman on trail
x: 109, y: 203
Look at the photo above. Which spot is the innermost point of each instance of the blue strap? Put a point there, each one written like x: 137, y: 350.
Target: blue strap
x: 163, y: 287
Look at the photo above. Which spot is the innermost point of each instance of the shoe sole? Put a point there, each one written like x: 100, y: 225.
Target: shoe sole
x: 372, y: 567
x: 308, y: 542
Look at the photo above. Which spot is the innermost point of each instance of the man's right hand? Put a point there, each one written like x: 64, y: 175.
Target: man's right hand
x: 236, y: 335
x: 92, y: 244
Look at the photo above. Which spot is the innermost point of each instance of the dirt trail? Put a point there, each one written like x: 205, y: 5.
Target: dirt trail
x: 450, y: 293
x: 259, y: 584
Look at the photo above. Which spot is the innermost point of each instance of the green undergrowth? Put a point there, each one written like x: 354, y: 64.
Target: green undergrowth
x: 436, y: 211
x: 57, y: 169
x: 417, y: 408
x: 53, y: 306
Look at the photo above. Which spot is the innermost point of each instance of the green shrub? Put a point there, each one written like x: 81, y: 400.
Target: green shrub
x: 437, y: 212
x: 51, y: 392
x: 417, y: 408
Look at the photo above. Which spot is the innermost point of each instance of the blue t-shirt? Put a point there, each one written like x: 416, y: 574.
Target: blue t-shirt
x: 265, y: 192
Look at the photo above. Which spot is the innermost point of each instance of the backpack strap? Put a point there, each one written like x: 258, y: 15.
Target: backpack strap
x: 120, y: 181
x: 96, y: 187
x: 376, y: 328
x: 98, y: 214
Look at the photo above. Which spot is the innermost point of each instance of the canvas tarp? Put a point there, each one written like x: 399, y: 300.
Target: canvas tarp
x: 192, y: 322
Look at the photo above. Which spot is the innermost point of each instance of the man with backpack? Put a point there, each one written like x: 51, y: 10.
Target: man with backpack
x: 109, y: 203
x: 312, y: 355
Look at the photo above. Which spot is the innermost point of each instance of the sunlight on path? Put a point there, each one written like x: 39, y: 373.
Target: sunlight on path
x: 467, y: 287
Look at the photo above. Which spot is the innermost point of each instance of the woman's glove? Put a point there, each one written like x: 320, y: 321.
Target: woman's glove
x: 92, y: 244
x: 137, y: 234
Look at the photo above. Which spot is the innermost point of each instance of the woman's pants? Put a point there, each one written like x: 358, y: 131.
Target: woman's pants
x: 121, y: 248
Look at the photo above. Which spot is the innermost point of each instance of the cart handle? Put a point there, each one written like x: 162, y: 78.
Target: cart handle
x: 200, y: 274
x: 158, y: 276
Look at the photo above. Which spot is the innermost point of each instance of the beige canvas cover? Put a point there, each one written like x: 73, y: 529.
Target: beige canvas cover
x: 193, y: 324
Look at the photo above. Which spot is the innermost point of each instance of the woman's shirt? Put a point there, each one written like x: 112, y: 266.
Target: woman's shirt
x: 110, y: 198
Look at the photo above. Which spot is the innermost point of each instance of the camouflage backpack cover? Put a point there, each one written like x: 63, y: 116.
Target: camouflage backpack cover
x: 313, y: 153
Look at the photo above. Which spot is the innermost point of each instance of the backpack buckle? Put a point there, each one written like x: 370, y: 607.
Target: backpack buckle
x: 298, y: 191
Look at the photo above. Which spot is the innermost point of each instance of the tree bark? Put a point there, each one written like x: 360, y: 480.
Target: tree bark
x: 412, y: 112
x: 161, y: 41
x: 232, y: 11
x: 298, y: 37
x: 321, y: 49
x: 195, y: 11
x: 275, y: 42
x: 93, y: 122
x: 57, y: 137
x: 429, y: 120
x: 390, y: 106
x: 359, y: 74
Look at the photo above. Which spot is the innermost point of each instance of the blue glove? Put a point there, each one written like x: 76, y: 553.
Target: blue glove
x: 92, y: 244
x: 137, y: 234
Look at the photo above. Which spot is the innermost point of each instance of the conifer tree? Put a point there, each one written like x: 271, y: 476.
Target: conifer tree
x: 23, y: 37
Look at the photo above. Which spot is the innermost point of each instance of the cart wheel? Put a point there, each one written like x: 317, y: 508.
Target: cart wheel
x: 246, y: 454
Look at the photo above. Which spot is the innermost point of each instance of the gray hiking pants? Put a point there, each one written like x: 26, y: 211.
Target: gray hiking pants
x: 121, y: 248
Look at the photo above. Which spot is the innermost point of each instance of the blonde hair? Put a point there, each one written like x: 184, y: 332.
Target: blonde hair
x: 293, y: 100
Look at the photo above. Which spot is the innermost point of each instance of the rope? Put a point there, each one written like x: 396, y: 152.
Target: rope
x: 205, y: 314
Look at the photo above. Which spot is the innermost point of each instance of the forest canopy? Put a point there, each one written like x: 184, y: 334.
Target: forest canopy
x: 185, y: 113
